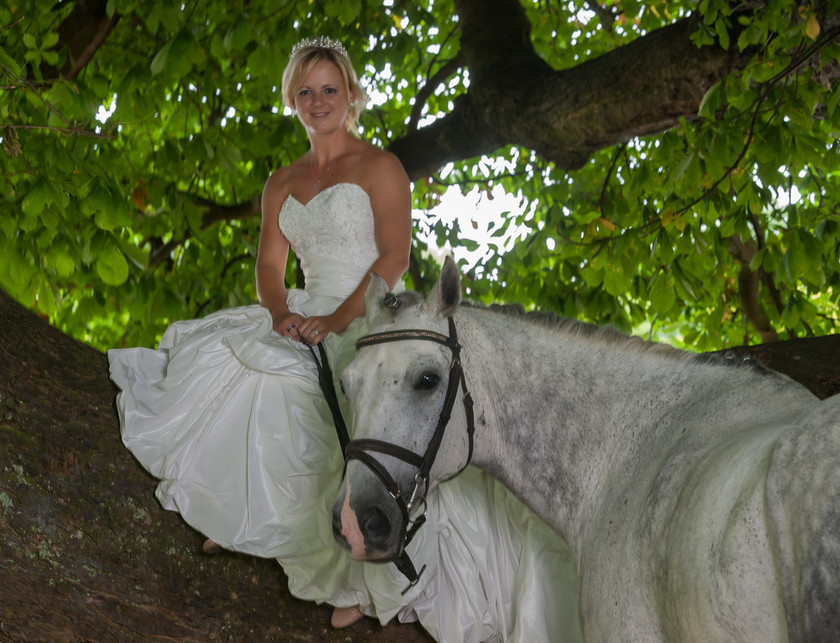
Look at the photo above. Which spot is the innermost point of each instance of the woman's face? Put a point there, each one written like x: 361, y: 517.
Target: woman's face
x: 321, y: 101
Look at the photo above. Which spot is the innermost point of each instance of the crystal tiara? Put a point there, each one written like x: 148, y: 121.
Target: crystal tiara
x: 321, y: 42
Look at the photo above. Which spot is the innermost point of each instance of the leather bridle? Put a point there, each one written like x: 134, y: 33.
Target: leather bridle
x: 362, y: 448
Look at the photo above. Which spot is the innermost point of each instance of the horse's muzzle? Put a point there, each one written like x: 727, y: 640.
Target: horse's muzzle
x: 369, y: 534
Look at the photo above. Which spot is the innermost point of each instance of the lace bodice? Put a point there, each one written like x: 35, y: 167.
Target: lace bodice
x: 336, y: 223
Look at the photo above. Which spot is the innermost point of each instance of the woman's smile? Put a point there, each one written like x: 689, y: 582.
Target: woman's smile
x: 321, y: 97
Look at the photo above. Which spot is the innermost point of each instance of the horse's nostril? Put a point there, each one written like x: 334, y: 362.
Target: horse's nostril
x: 376, y: 523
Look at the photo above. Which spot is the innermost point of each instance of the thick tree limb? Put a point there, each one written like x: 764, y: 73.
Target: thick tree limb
x: 86, y: 552
x: 565, y: 115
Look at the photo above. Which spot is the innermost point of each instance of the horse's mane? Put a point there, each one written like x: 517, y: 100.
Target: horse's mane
x: 612, y: 336
x: 576, y: 328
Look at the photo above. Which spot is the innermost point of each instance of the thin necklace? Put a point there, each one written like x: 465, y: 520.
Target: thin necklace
x: 316, y: 180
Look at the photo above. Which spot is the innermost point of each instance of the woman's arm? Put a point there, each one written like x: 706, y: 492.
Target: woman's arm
x: 272, y: 255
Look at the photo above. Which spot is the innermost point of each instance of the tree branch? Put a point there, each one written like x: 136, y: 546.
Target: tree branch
x: 565, y: 115
x: 748, y: 288
x: 88, y: 52
x: 448, y: 68
x: 66, y: 131
x: 216, y: 213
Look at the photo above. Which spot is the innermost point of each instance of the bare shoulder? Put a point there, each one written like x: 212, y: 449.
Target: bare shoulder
x: 280, y: 179
x: 378, y: 167
x: 380, y: 160
x: 278, y: 186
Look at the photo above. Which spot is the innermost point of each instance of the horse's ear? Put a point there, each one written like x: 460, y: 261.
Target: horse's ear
x: 446, y: 294
x: 374, y: 295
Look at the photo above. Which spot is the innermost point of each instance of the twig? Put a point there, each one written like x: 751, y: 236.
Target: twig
x: 66, y: 131
x: 14, y: 24
x: 426, y: 90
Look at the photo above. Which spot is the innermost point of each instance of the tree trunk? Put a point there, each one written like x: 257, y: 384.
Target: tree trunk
x: 87, y: 552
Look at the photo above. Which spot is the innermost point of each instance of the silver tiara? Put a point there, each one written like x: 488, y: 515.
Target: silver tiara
x: 321, y: 42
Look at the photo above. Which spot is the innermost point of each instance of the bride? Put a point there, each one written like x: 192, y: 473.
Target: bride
x: 228, y: 413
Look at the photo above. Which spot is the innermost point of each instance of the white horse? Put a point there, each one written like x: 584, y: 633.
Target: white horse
x: 699, y: 497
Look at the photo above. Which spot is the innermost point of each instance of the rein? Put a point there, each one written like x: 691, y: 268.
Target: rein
x: 359, y: 449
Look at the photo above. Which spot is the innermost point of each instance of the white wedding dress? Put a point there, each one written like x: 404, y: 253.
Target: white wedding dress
x: 229, y: 416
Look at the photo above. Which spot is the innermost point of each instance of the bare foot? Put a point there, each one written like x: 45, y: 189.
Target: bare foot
x: 209, y: 547
x: 345, y: 616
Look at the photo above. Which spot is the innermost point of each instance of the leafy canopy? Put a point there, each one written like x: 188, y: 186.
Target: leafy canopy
x: 132, y: 181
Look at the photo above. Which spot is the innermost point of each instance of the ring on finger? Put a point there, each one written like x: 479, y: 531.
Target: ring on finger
x: 289, y: 327
x: 316, y: 332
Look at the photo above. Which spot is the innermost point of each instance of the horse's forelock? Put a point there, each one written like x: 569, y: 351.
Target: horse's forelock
x: 395, y: 305
x: 408, y: 299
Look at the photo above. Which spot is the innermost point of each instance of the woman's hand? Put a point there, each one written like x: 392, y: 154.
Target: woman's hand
x: 287, y: 324
x: 314, y: 330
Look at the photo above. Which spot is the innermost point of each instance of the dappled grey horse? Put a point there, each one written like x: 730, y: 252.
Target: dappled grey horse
x: 700, y: 498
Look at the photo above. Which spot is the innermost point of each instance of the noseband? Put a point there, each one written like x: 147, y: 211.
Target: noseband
x: 360, y: 449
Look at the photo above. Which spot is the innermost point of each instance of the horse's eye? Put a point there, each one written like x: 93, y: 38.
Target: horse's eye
x: 427, y: 381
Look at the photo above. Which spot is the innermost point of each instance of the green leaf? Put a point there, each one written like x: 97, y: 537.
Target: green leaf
x: 63, y: 261
x: 108, y: 208
x: 712, y: 100
x: 594, y: 277
x: 616, y: 281
x: 722, y: 33
x: 50, y: 40
x: 182, y: 55
x: 9, y: 62
x: 661, y: 295
x: 111, y: 265
x: 35, y: 200
x: 160, y: 59
x: 45, y: 294
x: 239, y: 36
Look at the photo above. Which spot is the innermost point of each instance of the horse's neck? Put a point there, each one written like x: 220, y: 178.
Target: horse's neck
x: 559, y: 414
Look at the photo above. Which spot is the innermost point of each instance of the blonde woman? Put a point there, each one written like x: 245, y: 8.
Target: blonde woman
x: 228, y: 412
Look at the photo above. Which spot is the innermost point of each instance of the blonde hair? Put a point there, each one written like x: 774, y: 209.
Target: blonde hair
x: 304, y: 57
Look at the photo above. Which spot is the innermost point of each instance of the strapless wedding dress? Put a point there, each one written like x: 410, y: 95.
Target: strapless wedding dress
x: 229, y: 416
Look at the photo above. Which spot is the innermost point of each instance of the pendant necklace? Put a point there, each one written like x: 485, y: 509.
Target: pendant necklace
x: 316, y: 181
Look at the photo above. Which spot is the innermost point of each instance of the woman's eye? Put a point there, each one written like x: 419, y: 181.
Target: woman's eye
x: 427, y: 381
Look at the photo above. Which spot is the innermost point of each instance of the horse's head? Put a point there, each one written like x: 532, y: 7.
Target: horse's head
x: 397, y: 387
